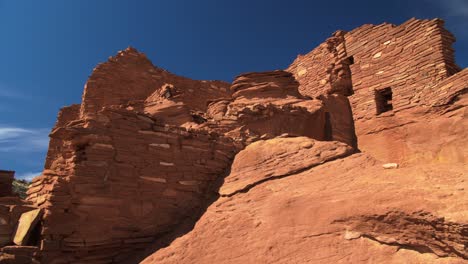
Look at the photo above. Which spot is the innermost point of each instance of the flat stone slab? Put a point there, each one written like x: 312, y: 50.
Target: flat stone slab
x: 26, y: 224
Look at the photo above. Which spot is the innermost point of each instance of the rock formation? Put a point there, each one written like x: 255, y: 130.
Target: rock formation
x: 13, y: 211
x: 355, y: 153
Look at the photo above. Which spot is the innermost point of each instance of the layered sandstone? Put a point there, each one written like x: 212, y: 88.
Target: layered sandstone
x: 266, y: 105
x: 408, y: 101
x: 399, y: 75
x: 14, y: 225
x: 350, y: 210
x: 267, y: 167
x: 141, y: 155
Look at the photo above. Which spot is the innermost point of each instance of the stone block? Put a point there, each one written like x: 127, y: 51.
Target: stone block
x: 26, y: 225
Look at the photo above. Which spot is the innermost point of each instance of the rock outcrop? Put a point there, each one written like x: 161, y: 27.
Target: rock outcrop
x: 356, y: 153
x: 130, y: 165
x: 266, y: 105
x: 350, y: 210
x: 407, y: 99
x: 276, y: 158
x: 6, y: 181
x: 14, y: 225
x: 400, y: 75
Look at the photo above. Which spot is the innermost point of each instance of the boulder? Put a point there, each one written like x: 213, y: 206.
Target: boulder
x: 276, y: 158
x: 26, y: 225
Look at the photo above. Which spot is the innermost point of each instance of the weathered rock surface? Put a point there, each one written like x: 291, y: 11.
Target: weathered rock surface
x: 26, y: 224
x: 157, y: 167
x: 14, y: 227
x: 408, y: 101
x: 6, y: 179
x: 280, y: 157
x: 416, y: 137
x: 266, y: 105
x: 123, y: 170
x: 350, y: 210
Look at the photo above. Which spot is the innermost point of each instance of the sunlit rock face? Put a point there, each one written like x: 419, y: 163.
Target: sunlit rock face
x: 354, y: 153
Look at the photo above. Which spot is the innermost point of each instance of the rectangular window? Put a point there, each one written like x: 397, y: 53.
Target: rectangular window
x: 383, y: 100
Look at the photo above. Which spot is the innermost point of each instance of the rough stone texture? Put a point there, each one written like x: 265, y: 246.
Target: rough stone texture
x: 153, y: 162
x: 130, y: 78
x: 419, y: 137
x: 350, y: 210
x: 19, y: 255
x: 26, y: 225
x: 278, y: 157
x: 448, y: 90
x: 339, y: 119
x: 415, y: 60
x: 353, y: 209
x: 122, y: 180
x: 6, y: 180
x: 266, y: 105
x: 126, y: 167
x: 11, y: 209
x: 411, y: 58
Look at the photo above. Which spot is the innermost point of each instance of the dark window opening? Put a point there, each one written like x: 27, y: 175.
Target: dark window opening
x: 198, y: 119
x: 328, y: 135
x: 383, y: 100
x: 349, y: 60
x: 34, y: 238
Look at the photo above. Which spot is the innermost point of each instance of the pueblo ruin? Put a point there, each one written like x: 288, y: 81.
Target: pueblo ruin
x: 356, y: 153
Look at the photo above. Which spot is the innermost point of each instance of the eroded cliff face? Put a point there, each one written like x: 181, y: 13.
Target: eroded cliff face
x: 156, y: 167
x: 146, y: 149
x: 402, y: 79
x: 349, y: 210
x: 296, y: 200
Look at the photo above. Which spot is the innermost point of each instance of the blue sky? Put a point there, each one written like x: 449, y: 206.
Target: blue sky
x: 49, y: 48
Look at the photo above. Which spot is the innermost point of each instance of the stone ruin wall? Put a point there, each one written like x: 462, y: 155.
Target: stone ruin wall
x: 12, y: 210
x: 447, y: 90
x: 137, y: 78
x: 118, y: 176
x: 125, y: 166
x: 411, y: 59
x: 6, y: 179
x: 114, y: 180
x: 119, y: 184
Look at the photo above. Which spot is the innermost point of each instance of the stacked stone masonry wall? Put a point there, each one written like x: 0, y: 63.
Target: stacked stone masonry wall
x: 130, y: 78
x: 121, y: 183
x: 447, y: 90
x: 410, y: 59
x: 118, y: 176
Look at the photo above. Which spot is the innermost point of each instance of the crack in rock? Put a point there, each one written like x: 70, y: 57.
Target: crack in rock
x: 419, y: 231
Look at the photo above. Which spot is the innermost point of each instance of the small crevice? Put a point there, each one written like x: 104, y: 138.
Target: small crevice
x: 419, y: 231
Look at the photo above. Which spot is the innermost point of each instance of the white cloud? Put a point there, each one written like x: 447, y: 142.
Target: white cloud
x: 17, y: 139
x: 458, y: 8
x: 455, y: 14
x: 27, y: 175
x: 8, y: 93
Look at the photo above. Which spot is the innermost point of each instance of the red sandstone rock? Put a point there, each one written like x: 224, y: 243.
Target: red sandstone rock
x: 11, y: 209
x: 131, y: 170
x: 279, y: 157
x: 349, y: 210
x: 268, y: 104
x: 6, y: 179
